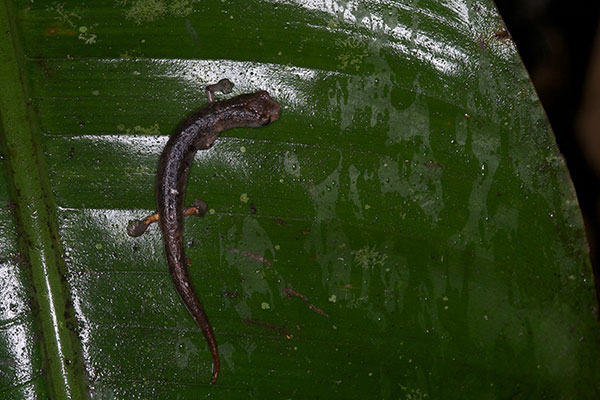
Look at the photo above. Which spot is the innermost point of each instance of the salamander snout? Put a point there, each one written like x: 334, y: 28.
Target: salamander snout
x: 273, y: 114
x: 262, y: 110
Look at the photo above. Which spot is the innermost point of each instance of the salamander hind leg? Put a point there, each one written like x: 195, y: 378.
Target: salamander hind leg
x: 198, y: 208
x: 137, y: 227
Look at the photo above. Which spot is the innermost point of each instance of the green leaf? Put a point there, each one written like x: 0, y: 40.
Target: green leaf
x: 407, y: 229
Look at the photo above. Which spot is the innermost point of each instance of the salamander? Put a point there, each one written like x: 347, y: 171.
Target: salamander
x: 197, y: 132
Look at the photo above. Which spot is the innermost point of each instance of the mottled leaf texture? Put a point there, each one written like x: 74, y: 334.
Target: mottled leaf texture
x: 406, y: 230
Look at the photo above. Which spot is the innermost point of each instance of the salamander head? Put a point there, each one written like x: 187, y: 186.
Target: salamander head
x: 262, y: 110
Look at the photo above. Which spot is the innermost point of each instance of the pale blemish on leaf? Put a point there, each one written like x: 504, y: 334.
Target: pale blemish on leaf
x: 65, y: 16
x: 414, y: 394
x: 186, y: 350
x: 181, y: 8
x: 291, y: 163
x: 369, y: 258
x: 358, y: 302
x: 354, y: 53
x: 86, y: 35
x: 332, y: 24
x: 132, y: 54
x: 140, y: 130
x: 141, y: 11
x: 69, y: 18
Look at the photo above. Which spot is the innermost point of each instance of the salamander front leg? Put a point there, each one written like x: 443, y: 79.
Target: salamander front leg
x: 224, y: 85
x: 138, y: 227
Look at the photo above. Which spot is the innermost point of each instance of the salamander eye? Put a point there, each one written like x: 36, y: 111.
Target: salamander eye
x: 263, y: 95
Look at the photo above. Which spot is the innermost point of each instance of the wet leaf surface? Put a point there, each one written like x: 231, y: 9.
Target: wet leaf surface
x: 407, y: 229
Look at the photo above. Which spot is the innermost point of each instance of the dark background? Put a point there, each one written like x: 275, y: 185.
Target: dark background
x: 556, y: 40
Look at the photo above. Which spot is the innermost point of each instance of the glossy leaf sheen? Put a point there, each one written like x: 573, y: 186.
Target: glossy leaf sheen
x: 411, y: 191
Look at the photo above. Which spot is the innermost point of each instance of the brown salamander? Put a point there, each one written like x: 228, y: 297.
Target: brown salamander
x: 198, y: 132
